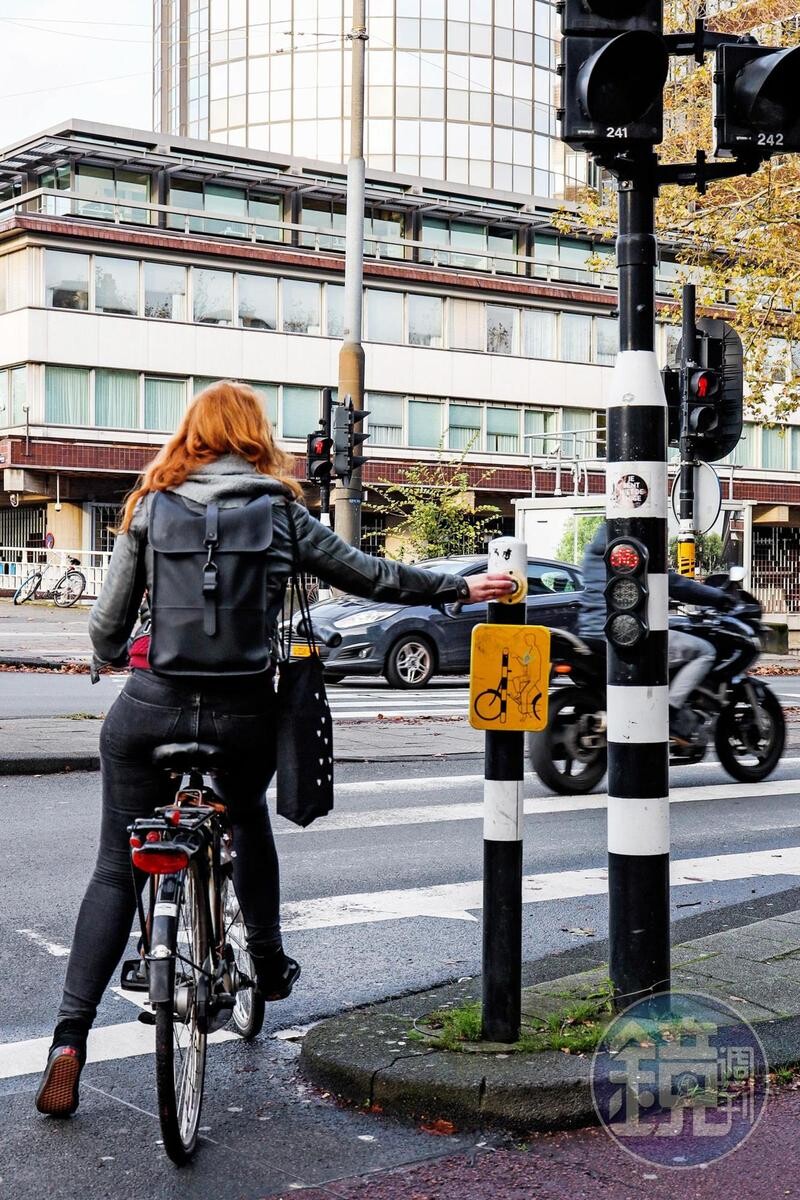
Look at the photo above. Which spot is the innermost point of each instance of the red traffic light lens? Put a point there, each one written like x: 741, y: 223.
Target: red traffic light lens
x: 624, y: 557
x: 703, y: 386
x: 319, y: 446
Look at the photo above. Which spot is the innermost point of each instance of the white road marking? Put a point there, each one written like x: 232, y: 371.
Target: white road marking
x: 432, y: 814
x: 38, y: 939
x: 106, y: 1042
x: 456, y: 901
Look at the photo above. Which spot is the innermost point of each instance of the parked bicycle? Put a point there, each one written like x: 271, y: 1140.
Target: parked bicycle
x: 193, y: 958
x: 66, y: 591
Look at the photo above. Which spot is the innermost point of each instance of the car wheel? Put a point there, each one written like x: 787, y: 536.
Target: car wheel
x: 410, y: 663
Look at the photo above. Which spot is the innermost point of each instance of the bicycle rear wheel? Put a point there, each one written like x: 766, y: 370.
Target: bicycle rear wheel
x: 69, y: 589
x: 248, y: 1011
x: 28, y: 588
x: 182, y: 1023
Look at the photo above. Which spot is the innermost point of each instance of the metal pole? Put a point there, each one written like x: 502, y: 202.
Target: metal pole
x: 687, y: 555
x: 351, y: 355
x: 502, y: 835
x: 638, y: 780
x: 325, y: 482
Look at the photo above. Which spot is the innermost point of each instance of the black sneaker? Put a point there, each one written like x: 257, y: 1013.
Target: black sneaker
x: 58, y: 1092
x: 276, y: 974
x: 683, y: 725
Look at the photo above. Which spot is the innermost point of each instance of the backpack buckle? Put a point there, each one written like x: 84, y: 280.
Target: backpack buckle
x: 210, y: 572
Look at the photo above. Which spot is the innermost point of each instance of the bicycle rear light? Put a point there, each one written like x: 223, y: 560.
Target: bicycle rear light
x: 162, y: 858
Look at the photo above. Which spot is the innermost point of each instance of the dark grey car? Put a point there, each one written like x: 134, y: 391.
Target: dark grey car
x: 411, y: 643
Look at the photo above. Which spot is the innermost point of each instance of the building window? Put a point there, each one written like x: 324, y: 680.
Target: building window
x: 116, y: 286
x: 230, y: 210
x: 425, y: 320
x: 744, y: 453
x: 379, y: 224
x: 266, y: 209
x: 301, y: 306
x: 19, y: 394
x: 334, y: 310
x: 385, y: 419
x: 66, y: 396
x: 477, y: 243
x: 258, y: 302
x: 165, y: 291
x: 384, y: 316
x: 13, y: 281
x: 538, y: 333
x: 104, y: 187
x: 116, y: 399
x: 539, y: 422
x: 164, y: 403
x: 773, y: 448
x: 576, y: 337
x: 464, y: 427
x: 66, y: 280
x: 268, y: 395
x: 425, y: 423
x: 212, y: 296
x: 502, y: 430
x: 580, y: 422
x: 300, y: 411
x: 466, y: 324
x: 606, y: 334
x: 501, y: 329
x: 104, y: 518
x: 326, y: 223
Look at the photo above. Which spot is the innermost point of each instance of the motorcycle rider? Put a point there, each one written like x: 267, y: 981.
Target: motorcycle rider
x: 693, y: 656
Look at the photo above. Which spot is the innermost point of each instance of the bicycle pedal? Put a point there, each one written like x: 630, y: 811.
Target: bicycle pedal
x: 146, y: 1018
x: 133, y: 977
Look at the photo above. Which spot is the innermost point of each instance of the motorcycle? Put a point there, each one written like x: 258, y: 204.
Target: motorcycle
x: 736, y: 711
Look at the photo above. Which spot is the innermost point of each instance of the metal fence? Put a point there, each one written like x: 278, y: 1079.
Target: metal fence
x: 16, y: 564
x: 776, y: 568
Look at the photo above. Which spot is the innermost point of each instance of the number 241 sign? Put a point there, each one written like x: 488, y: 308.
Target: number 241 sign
x: 509, y: 677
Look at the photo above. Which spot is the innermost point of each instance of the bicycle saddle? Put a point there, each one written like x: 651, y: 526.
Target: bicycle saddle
x: 185, y: 756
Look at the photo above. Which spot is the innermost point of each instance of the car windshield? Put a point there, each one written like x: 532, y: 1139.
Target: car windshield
x: 450, y: 566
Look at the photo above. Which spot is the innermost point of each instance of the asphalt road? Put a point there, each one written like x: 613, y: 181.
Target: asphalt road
x: 39, y: 694
x: 381, y: 899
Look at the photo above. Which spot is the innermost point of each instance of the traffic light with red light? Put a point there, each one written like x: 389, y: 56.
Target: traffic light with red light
x: 756, y: 100
x: 613, y: 71
x: 626, y: 594
x: 714, y: 389
x: 319, y: 456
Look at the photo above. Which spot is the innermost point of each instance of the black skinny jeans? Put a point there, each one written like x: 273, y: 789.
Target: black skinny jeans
x: 239, y: 716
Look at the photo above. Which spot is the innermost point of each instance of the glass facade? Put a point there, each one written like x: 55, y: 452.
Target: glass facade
x: 463, y: 90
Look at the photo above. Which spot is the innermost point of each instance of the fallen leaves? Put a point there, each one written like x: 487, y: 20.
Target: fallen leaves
x: 439, y: 1128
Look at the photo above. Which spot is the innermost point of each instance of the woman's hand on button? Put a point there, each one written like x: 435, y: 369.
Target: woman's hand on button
x: 489, y: 587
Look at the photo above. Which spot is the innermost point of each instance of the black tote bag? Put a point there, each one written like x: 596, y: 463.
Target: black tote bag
x: 304, y: 777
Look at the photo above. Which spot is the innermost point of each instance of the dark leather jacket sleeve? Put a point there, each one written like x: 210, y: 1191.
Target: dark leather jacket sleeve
x: 114, y: 614
x: 323, y: 553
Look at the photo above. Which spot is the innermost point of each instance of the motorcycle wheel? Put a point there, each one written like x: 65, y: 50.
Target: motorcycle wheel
x: 558, y: 756
x: 745, y: 752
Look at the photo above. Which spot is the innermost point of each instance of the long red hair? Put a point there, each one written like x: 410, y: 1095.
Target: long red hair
x: 225, y: 418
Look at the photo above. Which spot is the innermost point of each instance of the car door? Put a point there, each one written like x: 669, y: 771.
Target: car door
x: 553, y: 595
x: 456, y: 628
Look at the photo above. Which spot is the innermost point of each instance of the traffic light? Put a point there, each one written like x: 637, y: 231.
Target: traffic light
x: 626, y: 594
x: 319, y: 456
x: 347, y: 439
x: 613, y: 71
x: 756, y: 100
x: 341, y: 441
x: 715, y: 392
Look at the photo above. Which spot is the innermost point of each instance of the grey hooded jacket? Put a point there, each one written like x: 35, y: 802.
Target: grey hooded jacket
x: 231, y: 482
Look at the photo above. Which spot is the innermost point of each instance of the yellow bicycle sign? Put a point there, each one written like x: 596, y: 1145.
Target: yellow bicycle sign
x: 509, y: 677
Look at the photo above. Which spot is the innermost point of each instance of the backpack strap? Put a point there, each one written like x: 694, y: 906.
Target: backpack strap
x: 210, y: 571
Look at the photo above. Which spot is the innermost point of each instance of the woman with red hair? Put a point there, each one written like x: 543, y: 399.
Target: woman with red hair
x: 223, y: 454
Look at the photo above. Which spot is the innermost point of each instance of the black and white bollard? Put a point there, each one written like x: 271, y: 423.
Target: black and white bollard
x: 638, y: 748
x: 502, y: 828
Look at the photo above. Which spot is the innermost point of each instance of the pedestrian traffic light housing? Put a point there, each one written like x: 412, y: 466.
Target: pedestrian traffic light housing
x: 319, y: 456
x: 756, y: 100
x: 715, y: 392
x: 613, y: 70
x: 626, y: 594
x: 347, y: 438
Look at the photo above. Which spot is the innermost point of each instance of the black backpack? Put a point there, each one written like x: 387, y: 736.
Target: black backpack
x: 209, y: 594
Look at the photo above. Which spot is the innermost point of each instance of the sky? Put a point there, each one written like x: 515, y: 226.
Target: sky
x: 89, y: 59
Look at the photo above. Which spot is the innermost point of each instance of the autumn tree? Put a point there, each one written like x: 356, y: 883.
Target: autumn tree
x: 740, y: 242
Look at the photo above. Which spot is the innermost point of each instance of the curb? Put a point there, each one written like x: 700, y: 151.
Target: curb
x: 49, y: 764
x: 366, y: 1058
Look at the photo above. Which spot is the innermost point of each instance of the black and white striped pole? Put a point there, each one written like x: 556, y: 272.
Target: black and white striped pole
x: 638, y: 739
x: 502, y: 826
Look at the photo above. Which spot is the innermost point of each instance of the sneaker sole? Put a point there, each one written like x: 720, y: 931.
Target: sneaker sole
x: 58, y: 1095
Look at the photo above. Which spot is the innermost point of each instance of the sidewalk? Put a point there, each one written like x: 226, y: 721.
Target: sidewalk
x: 371, y: 1058
x: 46, y: 745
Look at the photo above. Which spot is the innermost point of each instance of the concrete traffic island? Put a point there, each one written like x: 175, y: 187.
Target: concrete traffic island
x: 376, y: 1059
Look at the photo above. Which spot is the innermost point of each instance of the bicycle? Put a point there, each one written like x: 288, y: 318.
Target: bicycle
x: 66, y: 591
x: 193, y: 958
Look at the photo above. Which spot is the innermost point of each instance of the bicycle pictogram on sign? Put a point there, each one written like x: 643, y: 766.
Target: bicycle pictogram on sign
x: 509, y: 674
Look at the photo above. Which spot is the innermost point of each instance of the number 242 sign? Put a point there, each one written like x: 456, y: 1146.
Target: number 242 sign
x: 509, y: 677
